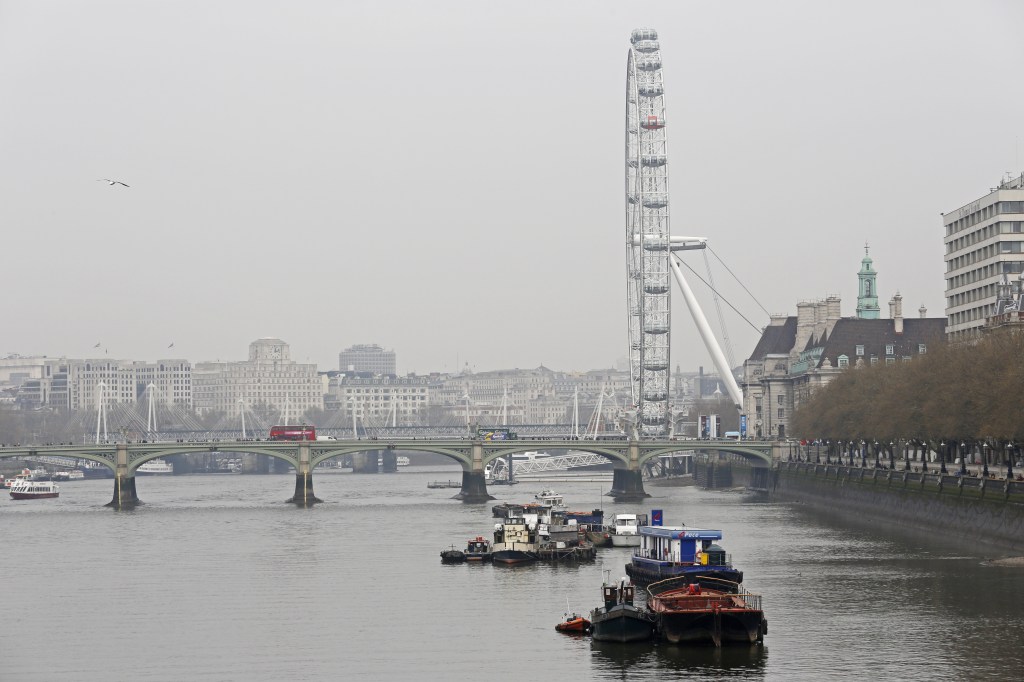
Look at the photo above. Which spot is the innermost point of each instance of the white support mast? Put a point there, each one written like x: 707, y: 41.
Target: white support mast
x: 576, y: 413
x: 101, y: 411
x: 151, y: 412
x: 241, y: 410
x: 708, y: 337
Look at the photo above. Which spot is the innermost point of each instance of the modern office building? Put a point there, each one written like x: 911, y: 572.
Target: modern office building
x: 268, y: 377
x: 984, y: 241
x: 367, y: 358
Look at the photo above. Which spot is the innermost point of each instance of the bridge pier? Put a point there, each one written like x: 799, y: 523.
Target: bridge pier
x: 389, y: 461
x: 627, y: 486
x: 474, y: 488
x: 364, y: 462
x: 125, y: 496
x: 474, y: 485
x: 304, y: 480
x: 304, y: 491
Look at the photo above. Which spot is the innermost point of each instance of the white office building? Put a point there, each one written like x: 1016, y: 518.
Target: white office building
x: 984, y: 244
x: 268, y: 377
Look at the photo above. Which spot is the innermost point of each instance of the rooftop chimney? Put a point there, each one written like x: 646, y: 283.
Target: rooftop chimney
x: 922, y: 311
x: 897, y: 308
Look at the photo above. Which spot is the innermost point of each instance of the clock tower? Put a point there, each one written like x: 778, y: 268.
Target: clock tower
x: 867, y: 296
x: 268, y: 349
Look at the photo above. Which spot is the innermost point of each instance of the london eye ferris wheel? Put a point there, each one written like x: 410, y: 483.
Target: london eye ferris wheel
x: 648, y: 240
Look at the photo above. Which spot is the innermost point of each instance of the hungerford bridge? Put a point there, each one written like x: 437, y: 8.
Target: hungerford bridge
x: 627, y: 457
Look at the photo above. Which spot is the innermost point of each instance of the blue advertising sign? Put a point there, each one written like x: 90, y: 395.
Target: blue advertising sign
x: 656, y: 517
x: 743, y: 425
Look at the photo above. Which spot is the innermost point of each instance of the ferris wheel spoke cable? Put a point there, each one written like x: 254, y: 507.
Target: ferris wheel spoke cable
x: 742, y: 316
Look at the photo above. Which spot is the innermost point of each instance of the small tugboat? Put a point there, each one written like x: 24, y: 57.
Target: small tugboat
x: 478, y: 549
x: 675, y: 551
x: 619, y: 620
x: 514, y: 542
x: 624, y: 529
x: 706, y: 610
x: 452, y: 556
x: 24, y: 489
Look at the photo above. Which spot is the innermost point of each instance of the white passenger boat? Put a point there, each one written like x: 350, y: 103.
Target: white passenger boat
x: 26, y: 489
x: 155, y: 467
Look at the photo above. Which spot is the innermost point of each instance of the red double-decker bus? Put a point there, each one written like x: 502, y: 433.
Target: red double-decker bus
x: 293, y: 432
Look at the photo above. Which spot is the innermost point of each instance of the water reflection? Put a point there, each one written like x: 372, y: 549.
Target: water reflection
x: 613, y: 660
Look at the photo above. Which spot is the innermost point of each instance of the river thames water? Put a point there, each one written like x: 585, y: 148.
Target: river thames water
x: 215, y: 578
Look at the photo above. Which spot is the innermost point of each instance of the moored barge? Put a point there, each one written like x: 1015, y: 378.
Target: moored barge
x: 706, y: 611
x: 679, y: 551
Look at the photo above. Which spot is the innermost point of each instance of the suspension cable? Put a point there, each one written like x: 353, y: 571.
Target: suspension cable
x: 738, y: 281
x: 742, y: 316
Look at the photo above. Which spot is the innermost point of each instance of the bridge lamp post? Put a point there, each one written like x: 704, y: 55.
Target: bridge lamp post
x: 892, y: 455
x: 849, y: 446
x: 828, y: 452
x: 1010, y: 449
x: 817, y: 451
x: 984, y: 458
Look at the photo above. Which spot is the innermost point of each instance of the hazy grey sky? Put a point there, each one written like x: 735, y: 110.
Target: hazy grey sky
x: 446, y: 178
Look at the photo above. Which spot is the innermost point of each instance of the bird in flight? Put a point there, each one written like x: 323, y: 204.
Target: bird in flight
x: 112, y: 182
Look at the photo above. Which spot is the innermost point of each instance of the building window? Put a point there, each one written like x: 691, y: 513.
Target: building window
x: 889, y: 349
x: 860, y: 350
x: 922, y: 349
x: 782, y: 413
x: 782, y: 399
x: 890, y: 361
x: 843, y: 362
x: 874, y: 359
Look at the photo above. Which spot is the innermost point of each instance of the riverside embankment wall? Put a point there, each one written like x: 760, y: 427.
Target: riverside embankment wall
x: 968, y: 508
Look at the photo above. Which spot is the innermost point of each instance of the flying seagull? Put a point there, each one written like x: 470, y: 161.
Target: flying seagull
x: 112, y: 182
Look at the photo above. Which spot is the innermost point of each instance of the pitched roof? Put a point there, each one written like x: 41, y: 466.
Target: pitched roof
x: 876, y: 335
x: 776, y: 339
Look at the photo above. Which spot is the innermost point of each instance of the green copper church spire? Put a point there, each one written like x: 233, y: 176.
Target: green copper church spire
x: 867, y: 298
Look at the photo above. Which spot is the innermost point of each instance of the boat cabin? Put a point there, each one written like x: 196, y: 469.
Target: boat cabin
x: 679, y: 544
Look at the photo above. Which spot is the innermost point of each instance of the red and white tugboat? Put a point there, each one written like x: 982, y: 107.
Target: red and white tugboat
x: 23, y: 489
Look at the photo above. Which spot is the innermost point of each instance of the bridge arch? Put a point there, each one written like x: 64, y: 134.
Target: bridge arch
x: 463, y: 456
x: 613, y: 454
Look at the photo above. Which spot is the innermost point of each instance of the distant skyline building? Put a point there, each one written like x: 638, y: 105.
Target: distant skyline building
x: 80, y: 384
x: 368, y: 357
x: 268, y: 377
x: 984, y: 241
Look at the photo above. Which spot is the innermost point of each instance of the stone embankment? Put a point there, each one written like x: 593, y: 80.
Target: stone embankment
x: 967, y: 508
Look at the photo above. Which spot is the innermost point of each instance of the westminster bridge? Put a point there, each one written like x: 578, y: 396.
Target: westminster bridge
x: 627, y: 457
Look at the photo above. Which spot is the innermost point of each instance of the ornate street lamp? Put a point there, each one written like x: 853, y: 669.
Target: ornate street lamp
x: 963, y: 460
x: 984, y: 459
x: 942, y: 458
x: 1010, y: 449
x: 892, y: 455
x: 817, y: 451
x: 863, y: 454
x: 828, y: 452
x: 849, y: 450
